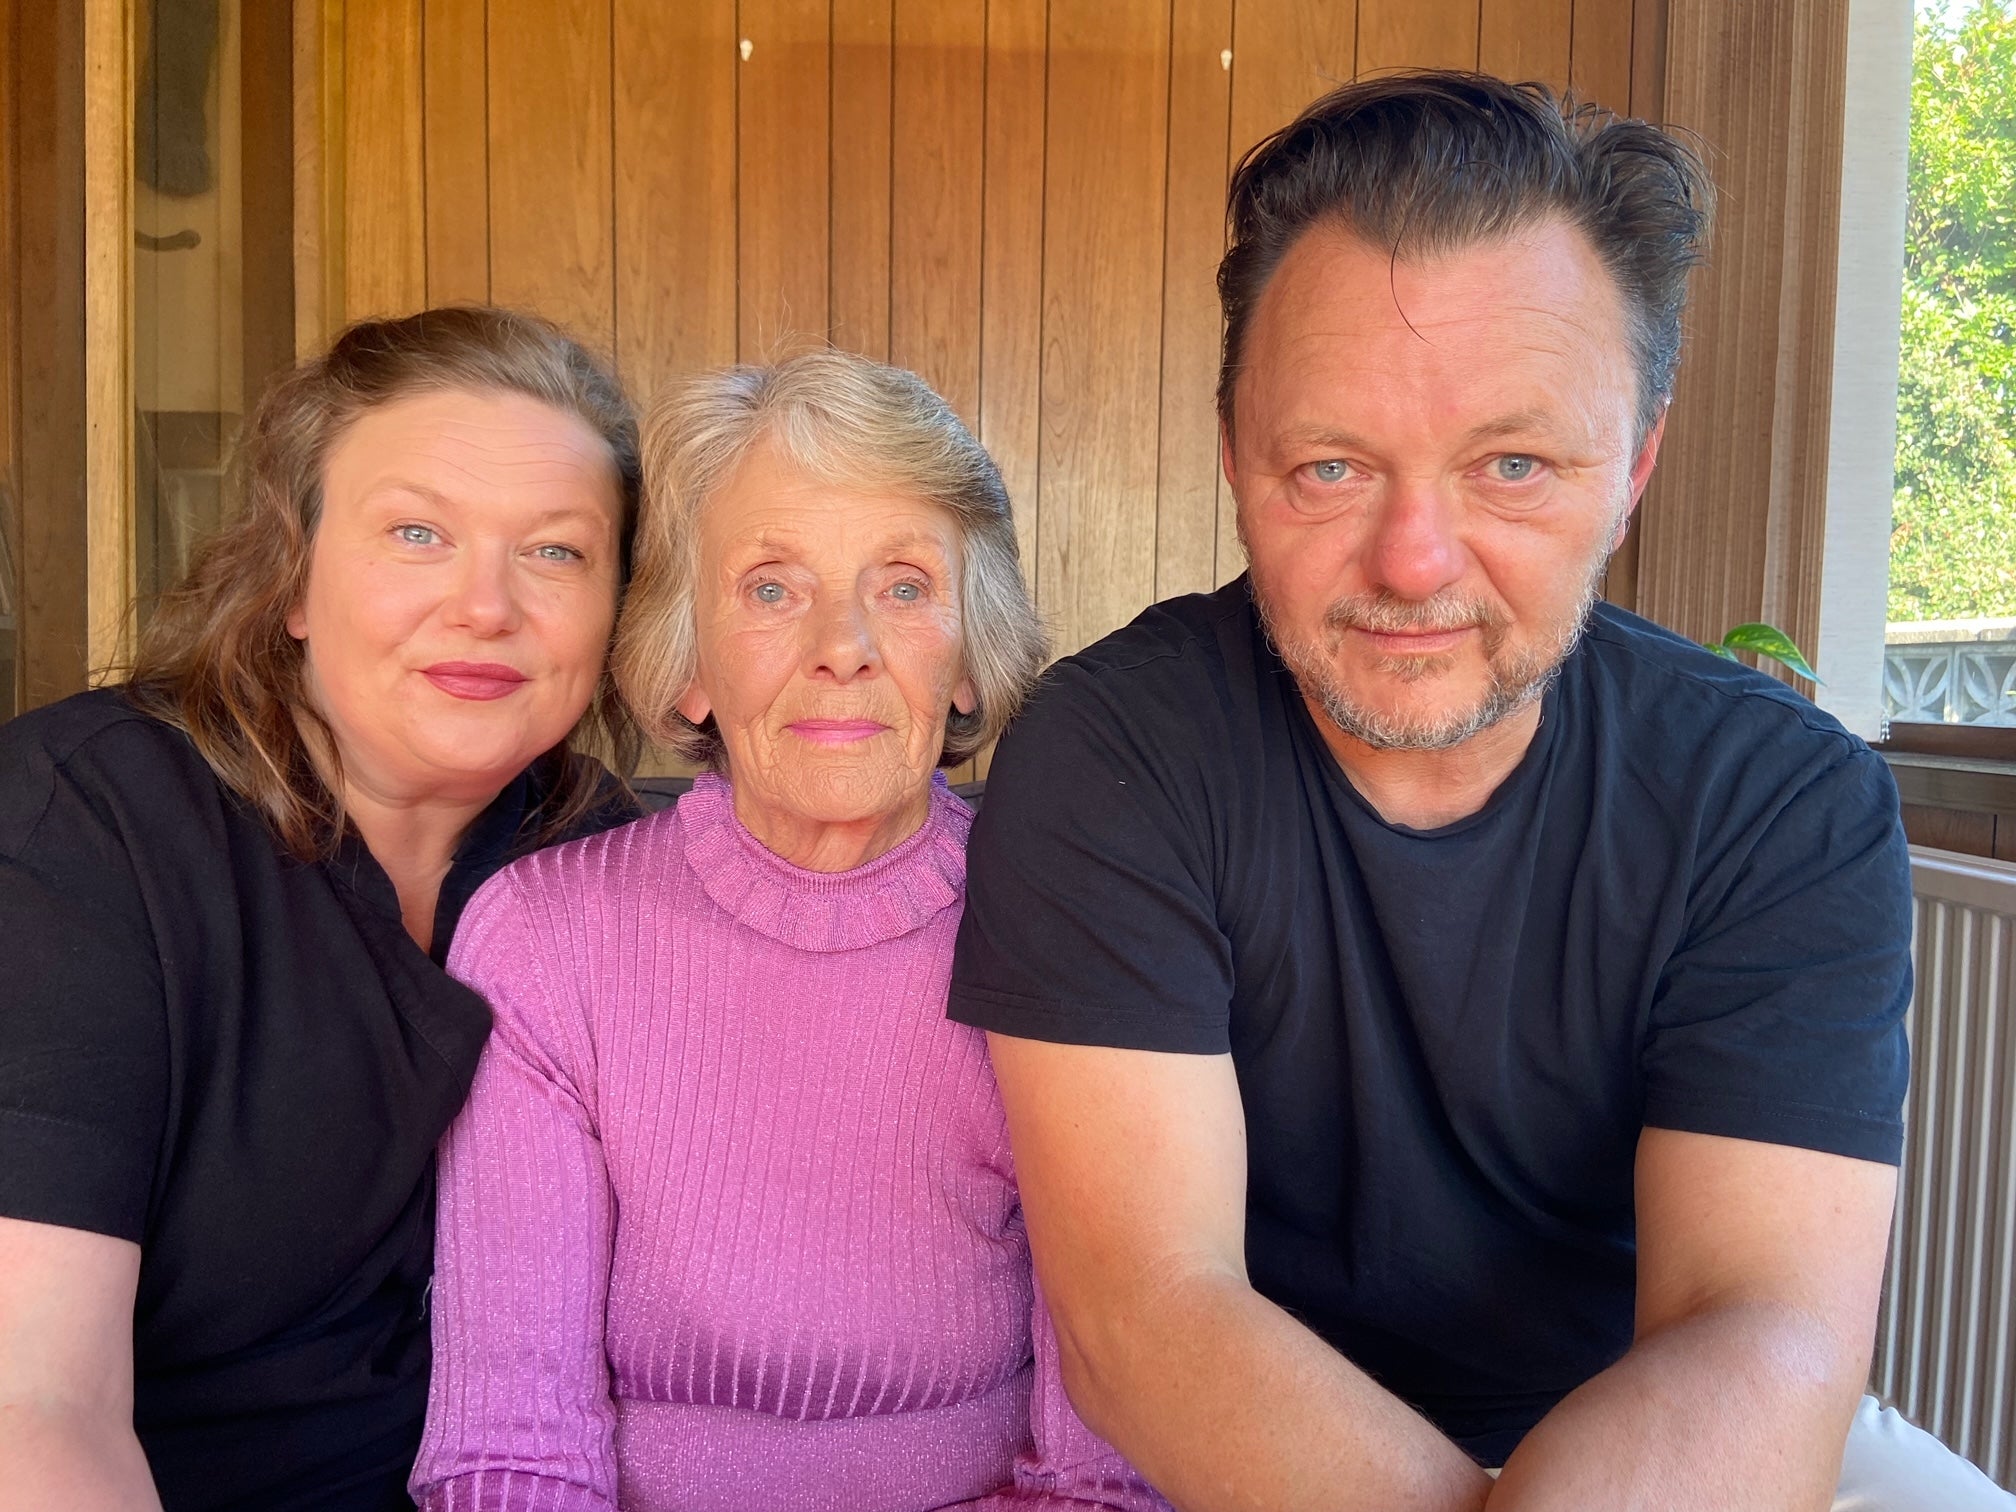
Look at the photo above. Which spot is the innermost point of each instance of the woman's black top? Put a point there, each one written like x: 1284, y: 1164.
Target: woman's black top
x: 243, y: 1063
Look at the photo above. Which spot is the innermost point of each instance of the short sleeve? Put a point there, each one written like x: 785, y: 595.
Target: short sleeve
x: 1090, y: 908
x: 83, y: 1041
x: 1780, y: 1017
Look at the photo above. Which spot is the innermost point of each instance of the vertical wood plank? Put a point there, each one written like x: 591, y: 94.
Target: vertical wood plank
x: 1200, y: 105
x: 552, y: 211
x: 1284, y: 54
x: 863, y: 107
x: 455, y: 120
x: 10, y: 373
x: 784, y: 115
x: 384, y: 175
x: 265, y: 76
x: 48, y: 52
x: 1105, y: 164
x: 1011, y: 273
x: 675, y: 189
x: 1527, y: 39
x: 1599, y: 57
x: 935, y: 233
x: 318, y: 172
x: 108, y: 331
x: 1416, y: 34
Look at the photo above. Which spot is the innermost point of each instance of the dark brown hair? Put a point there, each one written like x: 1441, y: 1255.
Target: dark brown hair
x: 216, y: 659
x: 1422, y: 163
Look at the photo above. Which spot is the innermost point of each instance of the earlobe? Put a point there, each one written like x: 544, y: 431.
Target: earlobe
x: 692, y: 705
x: 965, y: 697
x: 1225, y: 455
x: 297, y: 622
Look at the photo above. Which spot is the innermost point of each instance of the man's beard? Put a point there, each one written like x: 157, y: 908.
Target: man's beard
x: 1516, y: 680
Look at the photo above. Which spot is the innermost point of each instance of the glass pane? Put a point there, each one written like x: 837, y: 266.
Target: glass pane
x: 1951, y: 654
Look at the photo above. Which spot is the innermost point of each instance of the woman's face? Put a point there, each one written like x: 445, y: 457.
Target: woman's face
x: 461, y: 589
x: 829, y: 646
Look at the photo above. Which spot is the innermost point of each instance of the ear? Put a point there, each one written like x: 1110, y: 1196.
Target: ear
x: 965, y: 697
x: 693, y: 705
x: 1225, y: 456
x: 1641, y: 473
x: 297, y: 622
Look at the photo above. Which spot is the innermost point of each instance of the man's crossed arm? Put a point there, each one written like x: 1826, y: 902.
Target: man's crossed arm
x: 1758, y: 1273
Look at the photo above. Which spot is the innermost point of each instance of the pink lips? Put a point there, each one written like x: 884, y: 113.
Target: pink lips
x: 836, y: 731
x: 1415, y: 642
x: 477, y: 681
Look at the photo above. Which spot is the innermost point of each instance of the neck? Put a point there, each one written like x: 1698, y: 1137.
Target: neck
x: 414, y: 840
x: 1428, y: 789
x: 832, y: 845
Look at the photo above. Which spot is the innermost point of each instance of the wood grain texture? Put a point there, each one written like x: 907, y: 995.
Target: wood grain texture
x: 10, y: 372
x: 455, y: 116
x: 1962, y: 830
x: 863, y: 107
x: 1417, y: 34
x: 1188, y: 482
x: 1599, y: 56
x: 784, y: 179
x: 384, y: 172
x: 108, y: 335
x: 552, y: 211
x: 1284, y: 54
x: 674, y: 189
x: 48, y: 53
x: 1526, y: 39
x: 938, y: 169
x: 267, y: 157
x: 1733, y: 527
x: 318, y: 172
x: 1011, y: 272
x: 1105, y: 166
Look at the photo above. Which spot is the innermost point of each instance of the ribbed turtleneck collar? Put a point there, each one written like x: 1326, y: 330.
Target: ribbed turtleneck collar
x: 897, y: 893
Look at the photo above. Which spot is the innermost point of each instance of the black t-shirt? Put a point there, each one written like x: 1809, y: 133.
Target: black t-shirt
x: 243, y: 1063
x: 1688, y: 907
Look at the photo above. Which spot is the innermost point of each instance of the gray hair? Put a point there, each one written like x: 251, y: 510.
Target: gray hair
x: 839, y: 417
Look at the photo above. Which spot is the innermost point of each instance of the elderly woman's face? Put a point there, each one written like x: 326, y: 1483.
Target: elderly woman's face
x: 461, y: 590
x: 829, y: 644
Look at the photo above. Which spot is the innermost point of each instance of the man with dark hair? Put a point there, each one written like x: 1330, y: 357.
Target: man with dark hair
x: 1446, y: 1022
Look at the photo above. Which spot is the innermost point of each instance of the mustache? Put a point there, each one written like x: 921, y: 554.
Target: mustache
x: 1386, y: 613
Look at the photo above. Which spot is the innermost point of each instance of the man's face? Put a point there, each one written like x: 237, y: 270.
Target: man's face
x: 1433, y: 461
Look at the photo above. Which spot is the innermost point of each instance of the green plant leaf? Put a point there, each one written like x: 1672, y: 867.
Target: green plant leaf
x: 1768, y: 640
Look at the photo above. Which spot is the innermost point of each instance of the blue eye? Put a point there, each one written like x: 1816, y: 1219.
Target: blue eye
x: 909, y: 593
x: 557, y: 553
x: 769, y: 593
x: 1330, y: 470
x: 416, y: 535
x: 1516, y: 469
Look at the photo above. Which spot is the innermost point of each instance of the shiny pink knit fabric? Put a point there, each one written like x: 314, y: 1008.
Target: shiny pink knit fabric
x: 730, y: 1220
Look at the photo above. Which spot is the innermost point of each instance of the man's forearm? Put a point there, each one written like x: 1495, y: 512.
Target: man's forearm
x: 1741, y: 1409
x: 55, y: 1457
x: 1226, y: 1403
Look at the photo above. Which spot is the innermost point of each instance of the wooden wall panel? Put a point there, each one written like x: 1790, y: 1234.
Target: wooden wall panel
x: 1011, y: 271
x: 1599, y: 54
x: 783, y: 115
x: 10, y: 371
x: 1188, y: 484
x: 1105, y: 166
x: 675, y: 216
x: 1526, y: 39
x: 384, y: 182
x: 455, y: 117
x: 938, y: 168
x: 552, y: 237
x: 1417, y: 34
x: 863, y: 106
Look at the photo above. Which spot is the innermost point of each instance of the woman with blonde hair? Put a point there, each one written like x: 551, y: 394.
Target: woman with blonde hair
x: 227, y: 1046
x: 731, y: 1219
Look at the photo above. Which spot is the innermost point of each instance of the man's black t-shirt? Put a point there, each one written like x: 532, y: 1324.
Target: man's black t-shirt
x: 243, y: 1064
x: 1688, y: 907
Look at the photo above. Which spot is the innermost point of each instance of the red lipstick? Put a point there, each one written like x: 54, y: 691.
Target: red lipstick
x: 477, y: 681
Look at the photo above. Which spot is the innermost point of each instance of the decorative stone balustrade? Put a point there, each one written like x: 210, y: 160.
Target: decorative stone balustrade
x: 1951, y: 672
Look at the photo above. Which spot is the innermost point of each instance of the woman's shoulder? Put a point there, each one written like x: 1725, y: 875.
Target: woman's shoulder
x: 94, y: 760
x: 583, y: 884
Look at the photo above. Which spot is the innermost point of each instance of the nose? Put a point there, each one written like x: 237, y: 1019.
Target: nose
x: 1415, y: 549
x: 483, y: 598
x: 842, y: 642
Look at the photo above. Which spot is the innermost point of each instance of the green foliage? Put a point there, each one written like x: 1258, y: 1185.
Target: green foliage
x: 1953, y: 527
x: 1764, y: 640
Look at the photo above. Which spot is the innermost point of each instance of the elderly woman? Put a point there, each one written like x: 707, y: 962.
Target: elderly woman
x: 227, y: 1047
x: 731, y: 1221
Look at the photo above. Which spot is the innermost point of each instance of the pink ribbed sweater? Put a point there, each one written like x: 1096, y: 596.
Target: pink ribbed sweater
x: 730, y: 1220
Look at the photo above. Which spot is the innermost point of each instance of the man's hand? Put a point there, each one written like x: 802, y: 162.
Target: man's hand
x: 1132, y: 1166
x: 1759, y: 1271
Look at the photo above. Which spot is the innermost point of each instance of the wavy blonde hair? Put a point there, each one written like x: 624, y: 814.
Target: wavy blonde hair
x: 216, y: 660
x: 846, y: 419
